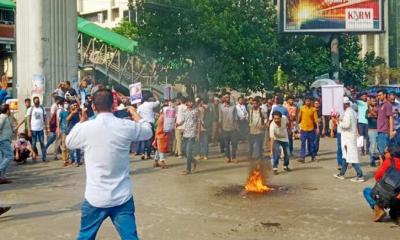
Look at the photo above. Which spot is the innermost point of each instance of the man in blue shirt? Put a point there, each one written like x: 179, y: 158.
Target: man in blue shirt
x: 362, y: 106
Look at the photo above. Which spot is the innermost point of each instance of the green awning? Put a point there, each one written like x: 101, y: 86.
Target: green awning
x: 114, y: 39
x: 7, y: 4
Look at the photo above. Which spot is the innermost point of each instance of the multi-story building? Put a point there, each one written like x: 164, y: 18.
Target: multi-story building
x: 106, y: 13
x: 7, y: 39
x: 387, y: 44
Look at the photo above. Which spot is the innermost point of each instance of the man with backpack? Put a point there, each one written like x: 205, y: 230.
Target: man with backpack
x: 386, y: 192
x: 37, y: 125
x: 257, y: 130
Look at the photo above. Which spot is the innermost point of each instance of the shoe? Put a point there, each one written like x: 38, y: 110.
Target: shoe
x: 186, y: 172
x: 143, y: 157
x: 5, y: 181
x: 275, y: 171
x: 156, y: 164
x: 338, y: 176
x: 4, y: 210
x: 194, y: 166
x: 228, y: 160
x: 286, y: 168
x: 314, y: 159
x: 358, y: 179
x: 301, y: 160
x: 379, y: 214
x: 205, y: 158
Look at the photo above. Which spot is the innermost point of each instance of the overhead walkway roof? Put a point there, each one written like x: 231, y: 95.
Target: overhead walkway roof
x: 114, y: 39
x: 7, y: 4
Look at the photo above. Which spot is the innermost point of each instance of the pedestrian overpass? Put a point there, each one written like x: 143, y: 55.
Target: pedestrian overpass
x: 113, y: 55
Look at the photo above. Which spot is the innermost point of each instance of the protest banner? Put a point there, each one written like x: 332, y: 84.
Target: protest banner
x: 332, y: 99
x: 135, y: 92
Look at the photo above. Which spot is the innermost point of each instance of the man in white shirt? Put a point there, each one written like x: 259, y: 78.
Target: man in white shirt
x: 279, y: 139
x: 146, y: 111
x: 106, y: 142
x: 37, y: 124
x: 180, y: 110
x: 243, y: 118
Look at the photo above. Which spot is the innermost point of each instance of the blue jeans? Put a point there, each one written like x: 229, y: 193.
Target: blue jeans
x: 7, y: 156
x: 339, y: 154
x: 256, y: 142
x: 39, y: 135
x: 372, y: 135
x: 367, y: 196
x: 204, y: 143
x: 51, y: 139
x: 231, y: 144
x: 291, y: 143
x: 309, y: 138
x: 123, y: 218
x: 75, y: 155
x: 189, y: 145
x: 382, y: 142
x: 144, y: 147
x: 277, y: 153
x: 356, y: 167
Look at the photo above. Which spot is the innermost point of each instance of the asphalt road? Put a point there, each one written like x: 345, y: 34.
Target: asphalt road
x: 308, y: 203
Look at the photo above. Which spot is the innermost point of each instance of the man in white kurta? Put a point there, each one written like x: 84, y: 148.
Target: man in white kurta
x: 348, y: 128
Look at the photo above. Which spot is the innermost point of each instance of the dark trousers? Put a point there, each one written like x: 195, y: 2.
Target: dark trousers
x: 307, y: 137
x: 230, y: 139
x: 363, y: 131
x: 276, y: 154
x: 256, y: 142
x: 339, y: 154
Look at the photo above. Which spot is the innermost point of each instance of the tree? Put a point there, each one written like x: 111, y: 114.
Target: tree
x: 354, y: 70
x: 127, y: 29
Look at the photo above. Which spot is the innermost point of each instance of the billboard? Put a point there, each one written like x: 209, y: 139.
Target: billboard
x: 315, y: 16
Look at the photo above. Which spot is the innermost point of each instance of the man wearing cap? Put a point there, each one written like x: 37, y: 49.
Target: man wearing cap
x: 348, y: 128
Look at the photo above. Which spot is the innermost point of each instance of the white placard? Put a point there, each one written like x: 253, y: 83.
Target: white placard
x: 135, y: 92
x: 332, y: 99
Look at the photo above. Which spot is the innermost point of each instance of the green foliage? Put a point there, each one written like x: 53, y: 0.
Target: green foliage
x: 355, y: 70
x: 127, y: 29
x: 236, y: 44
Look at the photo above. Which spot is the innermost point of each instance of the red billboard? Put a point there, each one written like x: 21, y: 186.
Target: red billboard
x: 332, y: 15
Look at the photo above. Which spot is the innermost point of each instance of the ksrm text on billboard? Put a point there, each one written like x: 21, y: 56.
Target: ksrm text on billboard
x: 304, y: 16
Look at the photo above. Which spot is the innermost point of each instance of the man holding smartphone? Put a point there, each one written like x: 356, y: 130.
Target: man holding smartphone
x: 106, y: 141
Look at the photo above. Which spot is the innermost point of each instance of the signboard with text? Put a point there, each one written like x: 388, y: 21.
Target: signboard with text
x: 315, y: 16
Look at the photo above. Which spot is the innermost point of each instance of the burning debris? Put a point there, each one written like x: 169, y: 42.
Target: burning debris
x: 256, y: 182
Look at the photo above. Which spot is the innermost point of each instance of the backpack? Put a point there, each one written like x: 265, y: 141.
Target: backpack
x: 53, y: 122
x: 386, y: 190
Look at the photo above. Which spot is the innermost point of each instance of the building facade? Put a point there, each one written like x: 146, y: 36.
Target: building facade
x: 106, y: 13
x: 387, y: 44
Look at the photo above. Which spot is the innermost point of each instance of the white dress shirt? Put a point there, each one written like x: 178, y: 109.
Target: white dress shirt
x: 146, y: 111
x: 106, y: 141
x: 242, y: 112
x: 180, y: 110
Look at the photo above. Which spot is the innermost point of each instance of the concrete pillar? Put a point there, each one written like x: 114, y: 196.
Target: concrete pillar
x: 377, y: 45
x: 46, y: 44
x: 364, y: 45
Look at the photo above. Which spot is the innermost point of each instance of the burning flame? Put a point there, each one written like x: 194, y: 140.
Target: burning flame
x: 255, y: 183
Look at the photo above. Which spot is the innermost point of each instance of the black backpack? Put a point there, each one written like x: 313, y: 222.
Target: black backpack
x: 387, y: 189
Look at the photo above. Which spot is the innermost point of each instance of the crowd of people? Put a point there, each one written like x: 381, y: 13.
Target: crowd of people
x: 186, y: 127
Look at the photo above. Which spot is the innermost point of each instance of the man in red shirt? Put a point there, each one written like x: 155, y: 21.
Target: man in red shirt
x: 380, y: 213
